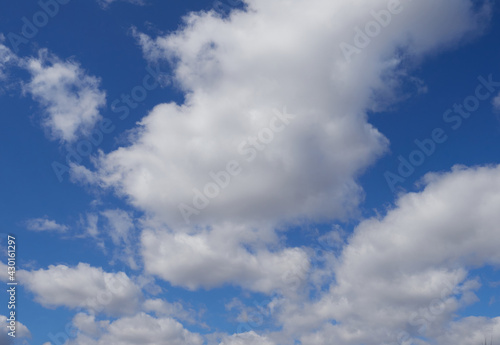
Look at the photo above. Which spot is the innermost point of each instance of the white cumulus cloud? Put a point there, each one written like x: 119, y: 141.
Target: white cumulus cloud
x: 84, y: 287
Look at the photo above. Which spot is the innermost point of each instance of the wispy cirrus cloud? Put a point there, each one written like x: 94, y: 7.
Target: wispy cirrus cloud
x: 7, y: 57
x: 496, y: 102
x: 106, y: 3
x: 45, y: 224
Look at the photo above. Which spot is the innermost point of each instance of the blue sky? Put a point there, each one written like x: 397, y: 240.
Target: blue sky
x: 230, y: 173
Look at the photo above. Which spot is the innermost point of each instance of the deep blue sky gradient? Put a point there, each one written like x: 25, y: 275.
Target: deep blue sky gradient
x: 101, y: 41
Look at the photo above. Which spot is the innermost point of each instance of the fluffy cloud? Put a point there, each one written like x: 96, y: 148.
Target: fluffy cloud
x: 239, y: 73
x: 141, y: 329
x: 406, y: 274
x: 71, y: 98
x: 84, y: 287
x: 45, y: 224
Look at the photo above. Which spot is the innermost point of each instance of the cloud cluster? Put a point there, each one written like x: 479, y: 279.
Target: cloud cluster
x: 407, y: 273
x: 400, y: 276
x: 236, y: 72
x: 71, y: 99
